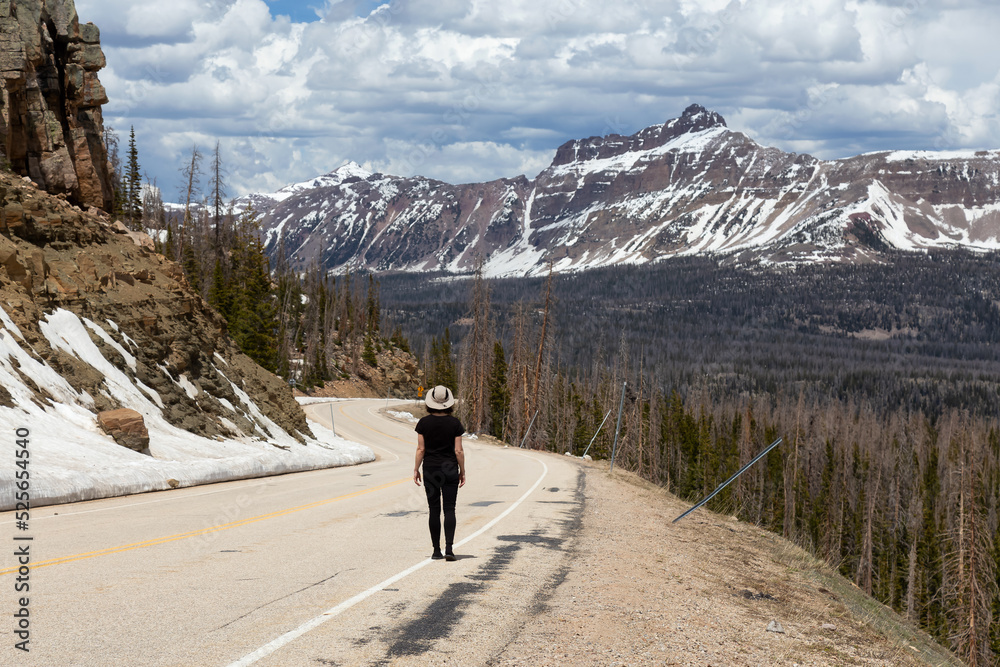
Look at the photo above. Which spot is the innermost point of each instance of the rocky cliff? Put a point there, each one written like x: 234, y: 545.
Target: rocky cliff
x: 688, y: 186
x: 51, y: 127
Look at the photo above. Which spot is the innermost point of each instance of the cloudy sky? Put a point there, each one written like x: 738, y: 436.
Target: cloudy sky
x: 471, y: 90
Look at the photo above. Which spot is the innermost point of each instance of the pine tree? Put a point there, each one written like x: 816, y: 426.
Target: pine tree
x: 476, y: 356
x: 369, y: 354
x: 169, y: 247
x: 133, y: 186
x: 372, y: 315
x: 446, y: 364
x: 254, y: 323
x: 219, y: 295
x: 399, y: 340
x: 499, y: 393
x: 929, y: 550
x: 191, y: 268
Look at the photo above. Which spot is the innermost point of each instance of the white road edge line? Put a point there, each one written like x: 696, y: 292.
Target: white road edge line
x: 292, y: 635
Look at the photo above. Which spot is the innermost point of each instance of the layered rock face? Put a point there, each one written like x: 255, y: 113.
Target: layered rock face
x: 51, y: 126
x: 687, y: 186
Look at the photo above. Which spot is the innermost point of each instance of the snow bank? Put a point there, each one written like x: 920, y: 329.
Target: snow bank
x: 407, y: 416
x: 71, y: 459
x: 310, y: 400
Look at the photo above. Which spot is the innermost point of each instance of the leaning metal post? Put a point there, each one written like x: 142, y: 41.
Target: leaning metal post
x: 614, y: 448
x: 332, y: 428
x: 521, y: 446
x: 598, y: 431
x: 726, y: 483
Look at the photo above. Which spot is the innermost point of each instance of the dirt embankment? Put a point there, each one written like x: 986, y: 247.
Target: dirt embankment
x: 703, y: 591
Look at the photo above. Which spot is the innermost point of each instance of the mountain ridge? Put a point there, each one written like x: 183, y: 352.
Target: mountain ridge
x: 687, y: 186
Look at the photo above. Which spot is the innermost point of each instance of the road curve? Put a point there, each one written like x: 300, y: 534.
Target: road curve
x: 327, y: 567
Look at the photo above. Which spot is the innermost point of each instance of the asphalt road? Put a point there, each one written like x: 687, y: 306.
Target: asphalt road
x: 327, y: 567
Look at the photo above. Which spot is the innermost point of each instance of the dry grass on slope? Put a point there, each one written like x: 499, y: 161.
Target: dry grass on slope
x: 644, y: 591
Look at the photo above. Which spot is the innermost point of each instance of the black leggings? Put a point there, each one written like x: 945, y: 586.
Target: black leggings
x: 438, y: 483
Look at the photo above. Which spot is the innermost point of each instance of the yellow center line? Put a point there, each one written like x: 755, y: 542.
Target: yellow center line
x: 374, y: 430
x: 203, y: 531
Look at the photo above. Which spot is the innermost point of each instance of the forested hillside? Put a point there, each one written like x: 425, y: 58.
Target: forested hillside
x: 919, y: 332
x: 306, y: 326
x: 883, y: 380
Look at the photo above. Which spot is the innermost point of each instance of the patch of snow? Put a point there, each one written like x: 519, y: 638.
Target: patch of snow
x: 233, y: 428
x: 9, y: 324
x: 106, y: 337
x: 132, y: 343
x: 186, y: 384
x: 936, y: 156
x: 310, y: 400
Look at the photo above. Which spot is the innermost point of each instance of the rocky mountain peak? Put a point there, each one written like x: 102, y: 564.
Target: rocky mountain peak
x: 352, y: 169
x: 51, y: 125
x: 695, y: 119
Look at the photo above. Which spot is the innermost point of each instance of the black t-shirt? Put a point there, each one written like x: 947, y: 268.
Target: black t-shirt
x: 439, y: 433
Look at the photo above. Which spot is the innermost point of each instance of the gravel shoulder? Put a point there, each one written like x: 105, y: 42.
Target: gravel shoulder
x: 641, y: 590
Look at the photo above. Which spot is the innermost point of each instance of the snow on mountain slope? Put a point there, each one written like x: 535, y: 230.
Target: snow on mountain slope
x: 688, y: 186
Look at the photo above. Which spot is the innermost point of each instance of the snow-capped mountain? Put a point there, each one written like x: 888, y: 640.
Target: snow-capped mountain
x: 687, y: 186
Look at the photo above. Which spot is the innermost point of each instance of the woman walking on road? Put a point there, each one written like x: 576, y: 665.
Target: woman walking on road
x: 439, y: 448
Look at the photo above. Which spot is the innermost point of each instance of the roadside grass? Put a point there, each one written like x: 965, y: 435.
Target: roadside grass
x: 840, y: 598
x: 880, y: 618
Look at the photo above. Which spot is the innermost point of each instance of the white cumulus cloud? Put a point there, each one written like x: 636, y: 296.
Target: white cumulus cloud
x: 468, y: 90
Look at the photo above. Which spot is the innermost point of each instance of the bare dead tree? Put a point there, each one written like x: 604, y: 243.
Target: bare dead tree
x: 478, y: 353
x: 191, y: 173
x: 542, y: 339
x: 972, y: 581
x: 218, y: 194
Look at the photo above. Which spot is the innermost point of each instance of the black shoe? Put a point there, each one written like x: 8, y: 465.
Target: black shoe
x: 437, y: 555
x: 449, y: 554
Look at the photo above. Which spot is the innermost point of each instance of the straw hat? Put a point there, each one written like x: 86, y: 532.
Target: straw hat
x: 439, y: 398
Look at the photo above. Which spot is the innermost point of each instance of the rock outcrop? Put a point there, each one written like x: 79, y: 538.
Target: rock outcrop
x: 51, y: 125
x: 126, y: 426
x: 139, y: 312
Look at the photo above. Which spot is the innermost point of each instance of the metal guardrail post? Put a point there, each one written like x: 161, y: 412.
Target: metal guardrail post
x: 525, y: 438
x: 726, y: 483
x: 595, y: 434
